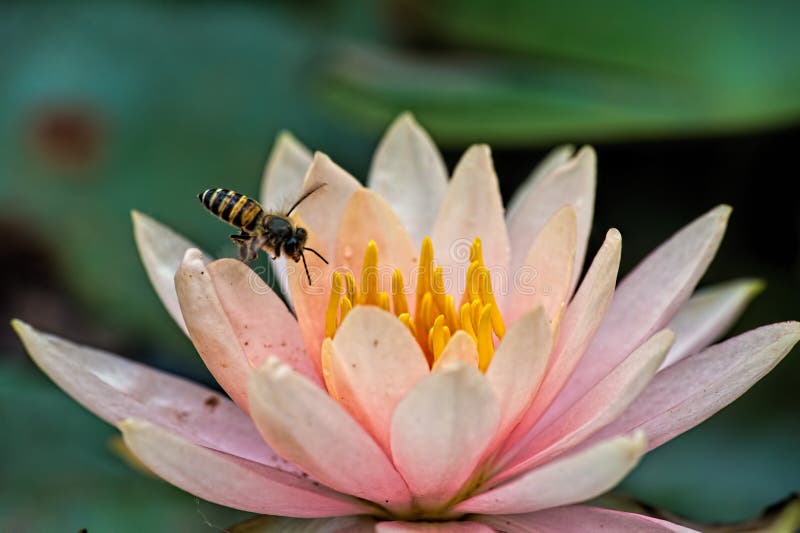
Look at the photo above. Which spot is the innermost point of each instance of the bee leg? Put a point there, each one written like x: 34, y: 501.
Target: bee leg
x: 244, y: 243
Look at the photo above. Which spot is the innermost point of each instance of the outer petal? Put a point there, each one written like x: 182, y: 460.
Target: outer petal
x: 261, y: 322
x: 440, y: 430
x: 211, y: 331
x: 554, y: 159
x: 472, y: 207
x: 579, y: 519
x: 517, y: 368
x: 408, y: 171
x: 646, y: 299
x: 545, y: 276
x: 369, y: 217
x: 376, y: 361
x: 283, y: 180
x: 305, y: 426
x: 570, y: 183
x: 460, y: 349
x: 162, y: 250
x: 688, y: 392
x: 602, y: 404
x: 580, y: 322
x: 441, y: 527
x: 232, y: 481
x: 708, y: 314
x: 115, y: 389
x: 320, y: 215
x: 566, y: 480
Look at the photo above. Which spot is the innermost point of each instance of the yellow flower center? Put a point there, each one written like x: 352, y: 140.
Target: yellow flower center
x: 436, y: 316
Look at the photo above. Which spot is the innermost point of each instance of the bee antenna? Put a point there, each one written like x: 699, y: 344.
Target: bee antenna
x: 308, y: 193
x: 313, y: 251
x: 305, y: 265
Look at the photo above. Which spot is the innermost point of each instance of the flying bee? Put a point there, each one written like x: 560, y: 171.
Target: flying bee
x: 261, y: 229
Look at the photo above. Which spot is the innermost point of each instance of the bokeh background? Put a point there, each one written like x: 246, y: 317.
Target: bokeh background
x: 110, y: 106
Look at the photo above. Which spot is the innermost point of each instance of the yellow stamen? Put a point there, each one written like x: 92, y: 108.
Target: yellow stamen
x: 436, y: 317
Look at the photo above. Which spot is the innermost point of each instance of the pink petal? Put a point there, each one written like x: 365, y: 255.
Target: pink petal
x: 232, y: 481
x: 376, y: 361
x: 320, y: 215
x: 259, y: 319
x: 569, y: 183
x: 440, y: 431
x: 580, y: 519
x: 460, y: 350
x: 369, y: 217
x: 581, y: 320
x: 647, y: 299
x: 554, y: 159
x: 162, y: 250
x: 690, y: 391
x: 544, y: 278
x: 597, y: 408
x: 283, y: 179
x: 307, y: 427
x: 408, y: 171
x: 441, y: 527
x: 708, y: 314
x: 472, y: 207
x: 566, y: 480
x: 209, y: 328
x: 518, y: 365
x: 115, y: 389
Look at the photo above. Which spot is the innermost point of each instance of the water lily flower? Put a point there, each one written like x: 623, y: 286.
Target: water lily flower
x: 449, y: 370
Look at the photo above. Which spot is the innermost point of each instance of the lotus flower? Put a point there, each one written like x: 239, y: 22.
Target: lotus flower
x: 477, y: 384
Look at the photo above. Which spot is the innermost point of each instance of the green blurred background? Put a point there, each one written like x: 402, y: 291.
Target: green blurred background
x: 110, y: 106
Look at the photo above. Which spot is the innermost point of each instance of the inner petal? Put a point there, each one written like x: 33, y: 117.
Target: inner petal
x: 437, y: 315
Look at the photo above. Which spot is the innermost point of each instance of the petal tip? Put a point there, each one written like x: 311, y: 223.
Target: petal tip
x: 613, y: 235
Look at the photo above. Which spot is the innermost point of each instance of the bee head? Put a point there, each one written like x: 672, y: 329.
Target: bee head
x: 293, y: 246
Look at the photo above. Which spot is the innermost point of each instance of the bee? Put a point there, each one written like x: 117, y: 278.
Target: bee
x: 261, y: 229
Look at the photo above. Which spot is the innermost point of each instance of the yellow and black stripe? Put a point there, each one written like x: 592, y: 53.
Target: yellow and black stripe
x: 232, y: 207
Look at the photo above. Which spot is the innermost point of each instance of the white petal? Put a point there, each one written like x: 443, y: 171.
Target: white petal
x: 566, y: 480
x: 408, y: 171
x: 162, y: 251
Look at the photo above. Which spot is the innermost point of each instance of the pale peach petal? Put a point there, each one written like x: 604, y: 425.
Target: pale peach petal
x: 375, y: 362
x: 597, y: 408
x: 566, y: 480
x: 283, y: 181
x: 569, y: 183
x: 690, y: 391
x: 579, y: 519
x: 115, y: 389
x: 260, y: 320
x: 319, y: 214
x: 209, y: 328
x: 518, y: 365
x: 440, y: 527
x: 408, y: 171
x: 579, y: 324
x: 708, y: 314
x: 283, y: 524
x: 647, y: 299
x: 307, y: 427
x: 232, y: 481
x: 460, y: 349
x: 161, y: 251
x: 440, y: 431
x: 472, y: 207
x: 369, y: 217
x: 545, y: 276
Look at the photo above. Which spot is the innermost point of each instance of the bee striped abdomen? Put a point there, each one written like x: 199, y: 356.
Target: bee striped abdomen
x: 232, y: 207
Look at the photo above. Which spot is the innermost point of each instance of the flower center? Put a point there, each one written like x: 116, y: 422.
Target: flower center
x: 436, y: 315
